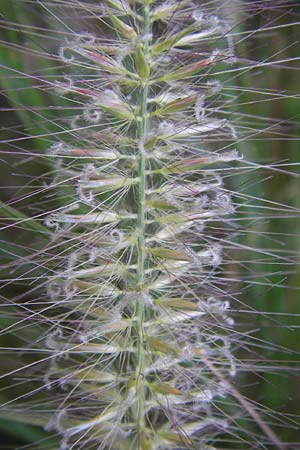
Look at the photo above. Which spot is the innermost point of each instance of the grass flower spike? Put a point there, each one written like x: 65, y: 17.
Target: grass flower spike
x: 134, y: 321
x: 137, y: 276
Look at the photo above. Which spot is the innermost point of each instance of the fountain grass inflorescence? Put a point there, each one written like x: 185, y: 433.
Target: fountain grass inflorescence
x: 144, y: 323
x: 135, y: 323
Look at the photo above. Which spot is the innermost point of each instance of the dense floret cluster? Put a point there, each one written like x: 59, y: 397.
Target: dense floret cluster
x: 141, y: 338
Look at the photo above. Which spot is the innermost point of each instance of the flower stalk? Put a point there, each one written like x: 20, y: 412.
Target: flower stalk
x: 143, y: 70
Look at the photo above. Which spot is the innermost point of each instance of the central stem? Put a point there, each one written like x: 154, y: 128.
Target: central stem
x: 141, y: 247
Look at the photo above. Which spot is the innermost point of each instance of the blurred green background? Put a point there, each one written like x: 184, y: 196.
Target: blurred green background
x: 265, y: 111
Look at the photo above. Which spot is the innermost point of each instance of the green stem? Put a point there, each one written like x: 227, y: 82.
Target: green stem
x: 141, y: 246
